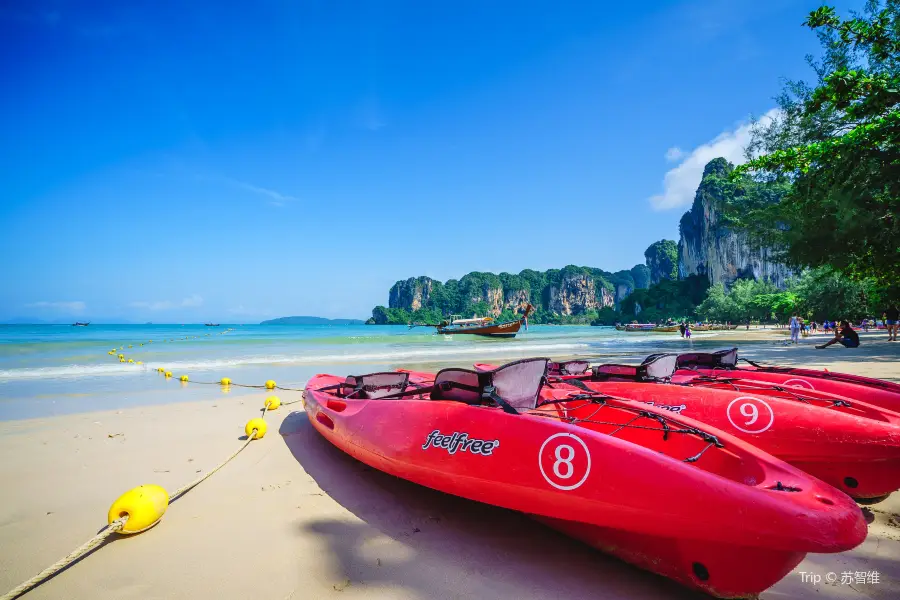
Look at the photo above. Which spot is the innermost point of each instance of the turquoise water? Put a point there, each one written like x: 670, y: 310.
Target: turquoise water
x: 58, y: 369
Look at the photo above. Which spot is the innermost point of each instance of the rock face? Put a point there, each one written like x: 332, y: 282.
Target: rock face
x: 572, y: 294
x: 515, y: 300
x: 708, y: 247
x: 576, y: 294
x: 662, y: 260
x: 411, y: 294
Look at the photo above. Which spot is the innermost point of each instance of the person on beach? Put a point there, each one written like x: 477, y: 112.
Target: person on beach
x: 682, y: 328
x: 845, y: 336
x: 892, y: 321
x: 687, y: 331
x: 795, y: 330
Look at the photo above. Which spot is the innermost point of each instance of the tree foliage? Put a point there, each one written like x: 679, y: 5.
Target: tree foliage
x: 838, y: 144
x: 819, y: 294
x: 668, y: 299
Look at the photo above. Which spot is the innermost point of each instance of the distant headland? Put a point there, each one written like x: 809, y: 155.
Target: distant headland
x: 311, y: 321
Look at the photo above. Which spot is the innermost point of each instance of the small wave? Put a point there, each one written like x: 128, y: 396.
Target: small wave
x: 70, y: 371
x: 429, y: 354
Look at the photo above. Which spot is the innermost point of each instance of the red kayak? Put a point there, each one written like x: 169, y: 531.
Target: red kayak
x: 724, y: 364
x: 849, y: 444
x: 655, y: 488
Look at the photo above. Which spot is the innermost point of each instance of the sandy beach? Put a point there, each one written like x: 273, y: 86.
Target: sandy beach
x: 293, y: 517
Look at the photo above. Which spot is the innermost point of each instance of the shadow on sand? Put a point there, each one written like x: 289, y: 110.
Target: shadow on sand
x: 451, y: 547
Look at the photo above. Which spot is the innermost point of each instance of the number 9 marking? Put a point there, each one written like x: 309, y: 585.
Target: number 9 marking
x: 749, y: 408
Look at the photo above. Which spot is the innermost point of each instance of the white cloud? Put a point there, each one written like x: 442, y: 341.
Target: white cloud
x: 680, y: 183
x: 193, y: 301
x: 76, y: 306
x: 276, y: 197
x: 190, y: 302
x: 674, y: 153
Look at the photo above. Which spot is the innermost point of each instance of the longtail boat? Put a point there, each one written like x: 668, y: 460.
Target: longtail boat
x: 480, y: 325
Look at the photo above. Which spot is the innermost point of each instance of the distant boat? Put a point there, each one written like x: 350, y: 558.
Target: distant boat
x: 212, y: 324
x: 80, y: 324
x: 481, y: 326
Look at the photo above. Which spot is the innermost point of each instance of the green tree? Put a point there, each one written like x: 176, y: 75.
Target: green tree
x: 838, y: 143
x: 828, y: 294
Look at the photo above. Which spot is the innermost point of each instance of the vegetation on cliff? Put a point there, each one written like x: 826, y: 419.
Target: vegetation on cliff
x: 662, y: 260
x: 569, y: 295
x: 838, y: 143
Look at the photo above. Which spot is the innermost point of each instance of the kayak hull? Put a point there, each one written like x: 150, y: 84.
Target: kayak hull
x: 606, y: 481
x: 847, y: 443
x: 884, y: 394
x: 723, y: 569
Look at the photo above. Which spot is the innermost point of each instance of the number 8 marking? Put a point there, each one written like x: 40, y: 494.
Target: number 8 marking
x: 749, y: 409
x: 564, y: 461
x: 565, y: 454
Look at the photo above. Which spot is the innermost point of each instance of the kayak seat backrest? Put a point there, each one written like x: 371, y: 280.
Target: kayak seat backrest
x: 374, y: 385
x: 572, y: 367
x: 659, y: 366
x: 629, y: 371
x: 462, y: 385
x: 656, y: 367
x: 518, y: 384
x: 725, y: 359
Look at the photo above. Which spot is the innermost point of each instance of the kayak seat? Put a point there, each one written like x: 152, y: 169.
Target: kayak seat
x: 723, y: 359
x: 571, y: 367
x: 374, y: 385
x: 515, y: 386
x: 656, y: 367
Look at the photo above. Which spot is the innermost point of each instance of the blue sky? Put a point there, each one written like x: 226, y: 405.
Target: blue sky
x: 178, y: 162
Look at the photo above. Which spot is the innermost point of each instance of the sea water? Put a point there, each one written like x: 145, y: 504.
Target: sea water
x: 57, y: 369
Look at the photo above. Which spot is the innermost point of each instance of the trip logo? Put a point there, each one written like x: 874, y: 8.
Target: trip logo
x: 460, y: 442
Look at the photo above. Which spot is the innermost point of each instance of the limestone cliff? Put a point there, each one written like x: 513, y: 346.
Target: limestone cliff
x: 577, y: 294
x: 662, y: 260
x: 411, y: 294
x: 572, y: 295
x: 708, y: 247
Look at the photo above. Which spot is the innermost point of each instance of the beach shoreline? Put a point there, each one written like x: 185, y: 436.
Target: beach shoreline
x: 293, y: 517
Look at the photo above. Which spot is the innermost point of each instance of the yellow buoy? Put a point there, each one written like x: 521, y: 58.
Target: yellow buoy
x: 121, y: 360
x: 144, y: 506
x: 110, y: 352
x: 129, y: 345
x: 121, y: 356
x: 183, y: 378
x: 270, y: 384
x: 131, y: 360
x: 259, y: 425
x: 160, y: 370
x: 272, y: 402
x: 138, y: 363
x: 168, y: 373
x: 225, y: 381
